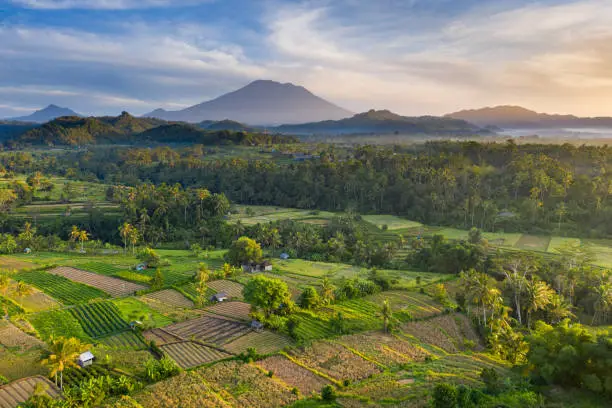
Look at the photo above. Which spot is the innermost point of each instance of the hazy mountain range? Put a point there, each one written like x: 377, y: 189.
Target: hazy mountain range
x: 386, y: 122
x: 260, y: 103
x: 516, y: 117
x: 46, y: 114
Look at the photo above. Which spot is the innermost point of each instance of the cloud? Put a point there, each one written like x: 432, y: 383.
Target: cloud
x: 414, y: 57
x: 104, y: 4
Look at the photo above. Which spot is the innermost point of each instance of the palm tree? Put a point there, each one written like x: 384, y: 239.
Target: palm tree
x: 133, y: 237
x: 82, y: 237
x: 559, y: 309
x: 602, y: 303
x: 538, y: 296
x: 516, y: 279
x: 327, y: 291
x: 63, y: 353
x: 125, y: 231
x: 22, y: 291
x: 387, y: 314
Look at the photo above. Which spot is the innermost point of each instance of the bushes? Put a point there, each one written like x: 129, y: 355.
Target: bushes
x: 157, y: 370
x: 328, y: 393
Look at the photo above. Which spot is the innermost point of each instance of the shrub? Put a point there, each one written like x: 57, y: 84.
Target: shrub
x: 157, y: 370
x: 328, y: 393
x: 494, y: 383
x: 444, y: 396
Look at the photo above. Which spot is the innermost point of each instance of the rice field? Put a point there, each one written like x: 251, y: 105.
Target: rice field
x: 126, y: 340
x: 188, y: 354
x: 232, y: 289
x: 36, y: 301
x: 132, y: 309
x: 265, y: 342
x: 100, y: 319
x: 161, y: 336
x: 391, y: 221
x: 113, y: 286
x: 533, y: 242
x: 55, y: 323
x: 10, y: 263
x: 11, y: 336
x: 208, y: 329
x: 17, y: 392
x: 172, y: 298
x: 61, y: 288
x: 234, y: 310
x: 383, y: 348
x: 294, y: 375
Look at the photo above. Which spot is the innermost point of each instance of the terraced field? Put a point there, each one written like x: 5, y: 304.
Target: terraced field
x: 17, y: 392
x: 11, y: 336
x: 208, y: 329
x: 235, y: 310
x: 113, y: 286
x: 100, y: 319
x: 61, y: 288
x: 188, y: 354
x: 416, y: 304
x: 36, y: 301
x: 383, y: 348
x: 161, y: 336
x: 232, y: 289
x: 126, y: 340
x: 265, y: 342
x: 171, y: 297
x: 293, y: 375
x: 312, y: 328
x: 15, y: 264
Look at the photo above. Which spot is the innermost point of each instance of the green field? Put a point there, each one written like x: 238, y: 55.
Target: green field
x: 60, y: 288
x: 57, y: 323
x: 132, y: 309
x: 391, y: 221
x: 100, y: 319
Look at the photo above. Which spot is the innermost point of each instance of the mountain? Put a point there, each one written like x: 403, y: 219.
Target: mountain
x: 385, y: 122
x: 45, y: 115
x: 260, y: 103
x: 516, y: 117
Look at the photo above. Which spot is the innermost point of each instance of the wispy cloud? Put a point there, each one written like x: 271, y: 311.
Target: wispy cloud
x: 104, y: 4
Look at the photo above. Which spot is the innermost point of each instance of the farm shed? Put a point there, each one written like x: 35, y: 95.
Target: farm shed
x: 257, y: 326
x: 264, y: 266
x: 86, y: 359
x: 219, y: 297
x: 27, y: 251
x: 284, y: 256
x: 141, y: 267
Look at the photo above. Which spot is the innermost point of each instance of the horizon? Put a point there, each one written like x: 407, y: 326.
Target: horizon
x: 413, y: 57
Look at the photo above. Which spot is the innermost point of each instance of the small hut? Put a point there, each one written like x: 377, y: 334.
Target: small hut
x: 219, y: 297
x: 86, y: 359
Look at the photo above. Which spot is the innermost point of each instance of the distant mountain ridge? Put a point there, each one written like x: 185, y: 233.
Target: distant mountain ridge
x: 261, y: 102
x: 46, y: 114
x: 385, y: 122
x: 516, y: 117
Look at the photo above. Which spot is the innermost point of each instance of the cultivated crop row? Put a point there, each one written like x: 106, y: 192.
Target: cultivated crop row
x: 188, y: 354
x: 99, y: 319
x: 115, y: 287
x: 125, y: 340
x: 209, y: 329
x: 74, y: 376
x: 172, y: 298
x: 293, y: 375
x: 61, y: 288
x: 264, y: 342
x: 19, y: 391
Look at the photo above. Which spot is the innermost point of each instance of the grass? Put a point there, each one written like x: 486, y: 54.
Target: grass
x: 60, y: 288
x: 132, y: 309
x: 533, y: 243
x: 57, y: 323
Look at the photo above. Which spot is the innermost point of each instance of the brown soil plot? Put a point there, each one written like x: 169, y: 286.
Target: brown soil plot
x: 113, y: 286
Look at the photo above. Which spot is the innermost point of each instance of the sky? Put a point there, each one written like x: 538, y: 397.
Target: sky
x: 413, y: 57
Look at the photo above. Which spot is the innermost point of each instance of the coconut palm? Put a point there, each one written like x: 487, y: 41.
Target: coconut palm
x: 327, y: 291
x: 387, y: 314
x: 62, y: 354
x: 516, y: 273
x: 82, y: 237
x: 538, y: 296
x: 125, y: 231
x: 602, y: 303
x: 558, y: 309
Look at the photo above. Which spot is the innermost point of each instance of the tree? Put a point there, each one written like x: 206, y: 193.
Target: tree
x: 474, y: 236
x: 22, y: 290
x: 27, y: 235
x: 62, y: 354
x: 328, y: 291
x: 387, y: 314
x: 5, y: 282
x: 133, y: 238
x: 79, y: 235
x: 244, y: 250
x: 538, y: 296
x: 125, y: 230
x: 516, y: 272
x: 158, y: 280
x: 269, y: 294
x: 309, y: 299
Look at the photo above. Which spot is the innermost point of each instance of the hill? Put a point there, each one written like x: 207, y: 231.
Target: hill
x: 516, y: 117
x: 74, y: 130
x: 385, y: 122
x: 225, y: 125
x: 45, y: 115
x: 260, y: 103
x: 11, y: 129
